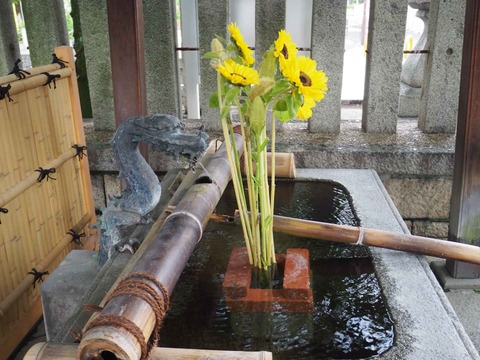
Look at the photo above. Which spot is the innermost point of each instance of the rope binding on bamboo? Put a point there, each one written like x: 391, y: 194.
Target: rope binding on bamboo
x: 3, y: 211
x: 45, y: 174
x: 51, y: 78
x: 138, y: 284
x: 56, y: 60
x: 19, y: 73
x: 76, y: 237
x: 80, y: 151
x: 37, y: 276
x: 4, y: 92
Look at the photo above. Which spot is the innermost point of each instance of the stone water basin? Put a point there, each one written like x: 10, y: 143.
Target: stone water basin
x: 369, y: 303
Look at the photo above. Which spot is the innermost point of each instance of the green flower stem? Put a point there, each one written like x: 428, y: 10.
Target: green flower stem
x: 272, y: 186
x: 235, y: 176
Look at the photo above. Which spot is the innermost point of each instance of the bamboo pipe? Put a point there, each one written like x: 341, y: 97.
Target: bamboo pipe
x: 379, y: 238
x: 31, y: 179
x: 186, y: 183
x: 53, y: 351
x: 25, y: 284
x: 284, y: 165
x: 165, y: 259
x: 33, y: 71
x: 33, y: 82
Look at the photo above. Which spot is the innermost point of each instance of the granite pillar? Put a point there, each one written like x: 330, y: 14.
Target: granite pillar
x: 384, y: 65
x: 328, y: 43
x: 269, y: 20
x: 441, y: 86
x: 163, y: 88
x: 93, y: 16
x: 9, y: 49
x: 212, y: 20
x: 46, y: 29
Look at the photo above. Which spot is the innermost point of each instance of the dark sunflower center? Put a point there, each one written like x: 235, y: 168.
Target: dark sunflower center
x: 285, y: 52
x: 305, y: 79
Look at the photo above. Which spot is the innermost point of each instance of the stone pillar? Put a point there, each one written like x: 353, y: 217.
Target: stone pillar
x: 212, y: 20
x: 269, y: 20
x: 9, y: 49
x: 384, y: 65
x: 328, y: 44
x: 93, y: 16
x: 46, y: 28
x: 413, y: 69
x: 163, y: 88
x: 439, y: 103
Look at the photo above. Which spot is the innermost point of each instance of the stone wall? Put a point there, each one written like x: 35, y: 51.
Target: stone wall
x: 415, y: 168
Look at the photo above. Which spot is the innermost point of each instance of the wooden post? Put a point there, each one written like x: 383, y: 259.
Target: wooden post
x: 125, y: 27
x: 465, y: 209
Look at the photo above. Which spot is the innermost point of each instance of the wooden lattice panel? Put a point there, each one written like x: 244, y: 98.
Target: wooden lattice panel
x: 38, y: 128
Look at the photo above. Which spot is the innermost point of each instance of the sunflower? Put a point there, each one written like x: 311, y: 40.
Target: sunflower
x: 285, y: 49
x: 242, y: 46
x: 311, y: 82
x: 237, y: 73
x: 305, y: 111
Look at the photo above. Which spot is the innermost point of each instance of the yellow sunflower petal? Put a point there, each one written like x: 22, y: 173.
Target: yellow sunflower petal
x: 285, y: 48
x: 242, y: 46
x: 237, y: 73
x: 305, y: 111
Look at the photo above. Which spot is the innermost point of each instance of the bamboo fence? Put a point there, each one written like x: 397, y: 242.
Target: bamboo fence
x: 39, y: 124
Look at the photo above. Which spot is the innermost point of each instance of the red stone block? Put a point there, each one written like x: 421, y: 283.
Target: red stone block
x: 295, y: 296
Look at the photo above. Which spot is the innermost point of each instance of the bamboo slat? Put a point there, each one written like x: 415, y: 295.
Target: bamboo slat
x: 50, y: 351
x: 9, y: 79
x: 66, y: 53
x: 41, y: 266
x: 31, y: 180
x: 35, y: 81
x: 36, y: 129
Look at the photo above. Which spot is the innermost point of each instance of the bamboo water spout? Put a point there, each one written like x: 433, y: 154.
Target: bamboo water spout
x: 126, y: 322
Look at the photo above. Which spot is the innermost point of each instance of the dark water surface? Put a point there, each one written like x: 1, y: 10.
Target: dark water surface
x: 350, y: 319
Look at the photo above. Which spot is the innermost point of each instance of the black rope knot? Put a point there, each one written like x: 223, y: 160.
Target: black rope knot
x: 19, y: 73
x: 51, y: 78
x: 4, y: 92
x: 80, y: 151
x: 3, y: 211
x: 45, y: 173
x: 76, y: 237
x: 37, y: 276
x: 56, y: 60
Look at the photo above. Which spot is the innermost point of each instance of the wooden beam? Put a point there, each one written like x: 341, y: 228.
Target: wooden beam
x: 125, y: 27
x: 465, y: 209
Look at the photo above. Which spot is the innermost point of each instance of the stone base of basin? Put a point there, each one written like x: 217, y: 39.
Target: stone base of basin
x: 295, y: 295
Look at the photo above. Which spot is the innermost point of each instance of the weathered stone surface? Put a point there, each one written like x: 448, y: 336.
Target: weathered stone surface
x: 98, y: 190
x: 93, y: 17
x: 163, y: 93
x: 384, y: 65
x: 439, y: 104
x: 269, y: 20
x: 212, y: 23
x: 46, y: 29
x: 328, y: 42
x: 9, y: 48
x: 433, y: 229
x: 421, y: 198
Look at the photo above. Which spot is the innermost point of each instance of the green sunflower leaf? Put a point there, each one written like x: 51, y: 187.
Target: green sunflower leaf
x: 213, y: 102
x: 281, y: 86
x: 225, y: 112
x: 231, y: 94
x: 280, y: 105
